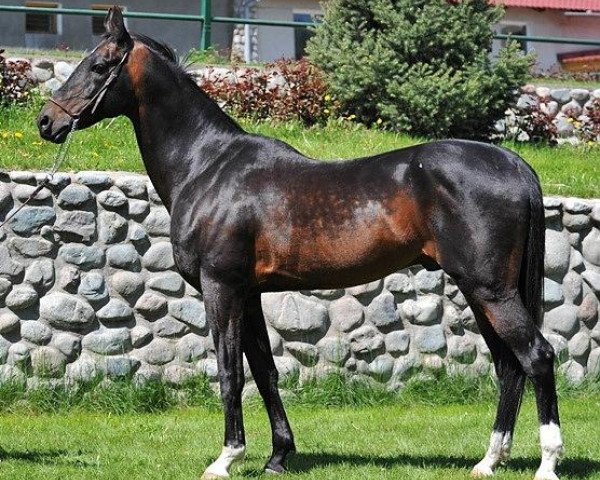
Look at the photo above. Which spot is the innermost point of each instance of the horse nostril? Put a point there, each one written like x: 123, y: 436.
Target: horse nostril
x: 44, y: 121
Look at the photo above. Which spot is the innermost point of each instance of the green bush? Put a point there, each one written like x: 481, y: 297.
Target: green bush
x: 421, y: 66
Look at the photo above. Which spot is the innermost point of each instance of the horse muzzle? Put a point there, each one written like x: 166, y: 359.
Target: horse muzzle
x: 53, y: 125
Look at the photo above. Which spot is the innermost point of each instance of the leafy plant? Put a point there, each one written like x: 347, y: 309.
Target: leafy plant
x: 590, y: 126
x: 284, y: 90
x: 14, y: 80
x: 422, y: 66
x: 537, y: 125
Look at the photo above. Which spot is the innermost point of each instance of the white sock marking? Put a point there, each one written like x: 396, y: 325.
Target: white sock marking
x: 506, y: 447
x: 552, y: 451
x: 492, y: 458
x: 220, y: 467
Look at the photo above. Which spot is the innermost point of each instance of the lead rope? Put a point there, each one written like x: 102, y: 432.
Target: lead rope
x: 61, y: 156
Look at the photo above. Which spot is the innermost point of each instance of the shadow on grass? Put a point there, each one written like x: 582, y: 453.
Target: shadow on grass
x: 576, y: 467
x: 47, y: 457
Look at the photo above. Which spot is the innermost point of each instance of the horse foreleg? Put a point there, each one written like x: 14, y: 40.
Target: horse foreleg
x: 224, y: 311
x: 260, y: 358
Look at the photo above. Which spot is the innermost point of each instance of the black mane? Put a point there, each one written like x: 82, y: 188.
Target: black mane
x: 162, y: 49
x: 159, y: 47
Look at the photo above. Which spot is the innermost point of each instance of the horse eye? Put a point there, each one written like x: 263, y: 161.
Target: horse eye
x: 99, y: 68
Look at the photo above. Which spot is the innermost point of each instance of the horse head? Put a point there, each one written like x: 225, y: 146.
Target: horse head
x: 100, y: 87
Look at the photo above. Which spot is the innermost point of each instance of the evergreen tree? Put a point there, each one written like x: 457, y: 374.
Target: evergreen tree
x: 422, y: 66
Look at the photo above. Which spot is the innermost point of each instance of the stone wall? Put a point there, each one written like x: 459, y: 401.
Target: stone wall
x: 49, y: 75
x: 88, y: 287
x: 573, y: 112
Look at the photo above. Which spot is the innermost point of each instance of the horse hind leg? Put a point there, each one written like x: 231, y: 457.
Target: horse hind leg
x: 511, y: 322
x: 512, y: 382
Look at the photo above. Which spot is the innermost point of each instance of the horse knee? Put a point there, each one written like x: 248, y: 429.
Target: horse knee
x: 231, y: 384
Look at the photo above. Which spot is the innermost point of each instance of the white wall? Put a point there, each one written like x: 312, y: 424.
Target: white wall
x: 278, y: 42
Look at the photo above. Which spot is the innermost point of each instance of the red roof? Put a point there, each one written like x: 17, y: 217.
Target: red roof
x: 556, y: 4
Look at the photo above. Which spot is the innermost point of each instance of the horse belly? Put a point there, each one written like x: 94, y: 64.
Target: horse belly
x: 312, y: 258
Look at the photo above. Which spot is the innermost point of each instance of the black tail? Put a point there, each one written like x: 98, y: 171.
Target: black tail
x: 531, y: 279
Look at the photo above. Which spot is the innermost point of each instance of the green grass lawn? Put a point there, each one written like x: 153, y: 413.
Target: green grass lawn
x: 110, y: 145
x: 564, y: 82
x: 387, y: 442
x: 436, y: 427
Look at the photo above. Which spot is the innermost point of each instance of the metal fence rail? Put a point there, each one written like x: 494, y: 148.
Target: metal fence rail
x: 207, y: 19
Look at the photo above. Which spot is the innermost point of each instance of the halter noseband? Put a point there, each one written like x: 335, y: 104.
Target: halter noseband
x: 99, y: 95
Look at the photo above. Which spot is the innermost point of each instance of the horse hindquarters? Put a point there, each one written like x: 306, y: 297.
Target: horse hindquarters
x: 489, y: 236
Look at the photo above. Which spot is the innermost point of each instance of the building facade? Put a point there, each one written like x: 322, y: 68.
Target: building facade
x: 551, y: 18
x: 560, y: 18
x: 81, y: 32
x: 556, y: 18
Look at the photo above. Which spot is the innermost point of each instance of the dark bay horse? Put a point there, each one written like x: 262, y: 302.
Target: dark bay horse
x: 250, y: 215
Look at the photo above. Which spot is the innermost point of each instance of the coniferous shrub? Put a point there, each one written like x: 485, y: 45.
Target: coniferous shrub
x: 421, y: 66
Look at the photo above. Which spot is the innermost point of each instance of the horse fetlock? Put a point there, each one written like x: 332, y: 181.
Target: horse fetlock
x: 551, y: 443
x: 506, y: 448
x: 220, y: 467
x: 499, y: 445
x: 552, y: 451
x: 276, y: 463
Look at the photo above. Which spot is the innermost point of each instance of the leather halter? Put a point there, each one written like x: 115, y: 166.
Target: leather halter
x: 62, y: 153
x: 99, y: 95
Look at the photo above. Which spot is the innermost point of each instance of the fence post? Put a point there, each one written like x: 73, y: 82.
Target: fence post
x: 206, y: 12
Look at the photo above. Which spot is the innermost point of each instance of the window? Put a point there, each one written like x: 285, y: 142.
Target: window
x: 515, y: 29
x: 41, y: 22
x: 302, y: 34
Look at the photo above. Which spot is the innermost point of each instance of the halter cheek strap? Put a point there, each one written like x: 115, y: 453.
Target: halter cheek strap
x: 98, y: 96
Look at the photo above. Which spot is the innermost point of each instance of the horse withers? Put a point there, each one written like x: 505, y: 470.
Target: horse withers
x: 250, y: 214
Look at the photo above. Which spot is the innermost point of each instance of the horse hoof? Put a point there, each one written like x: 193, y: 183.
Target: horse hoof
x: 545, y: 475
x: 212, y: 476
x: 481, y: 471
x: 270, y: 471
x: 274, y: 469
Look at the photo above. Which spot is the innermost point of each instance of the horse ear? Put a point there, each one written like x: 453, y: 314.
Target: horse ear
x: 115, y: 27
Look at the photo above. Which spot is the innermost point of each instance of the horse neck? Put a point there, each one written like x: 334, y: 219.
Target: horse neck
x: 179, y: 130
